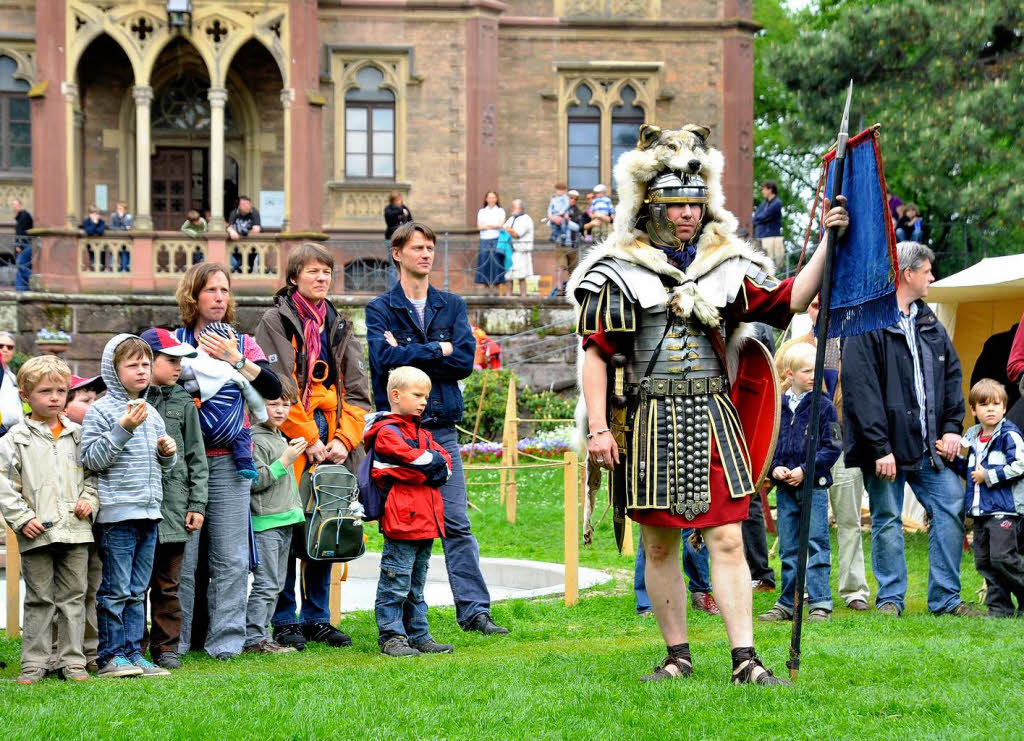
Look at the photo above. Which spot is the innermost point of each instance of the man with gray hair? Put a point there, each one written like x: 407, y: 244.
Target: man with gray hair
x: 904, y: 409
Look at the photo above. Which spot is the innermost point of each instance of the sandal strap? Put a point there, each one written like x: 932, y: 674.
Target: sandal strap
x: 670, y: 668
x: 752, y: 671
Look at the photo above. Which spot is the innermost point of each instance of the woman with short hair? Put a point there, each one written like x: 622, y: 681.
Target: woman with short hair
x: 309, y: 341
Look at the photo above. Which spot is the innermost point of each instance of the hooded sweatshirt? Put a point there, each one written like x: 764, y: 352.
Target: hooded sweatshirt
x: 127, y: 464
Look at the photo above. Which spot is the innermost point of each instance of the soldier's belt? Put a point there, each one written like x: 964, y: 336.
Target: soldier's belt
x: 654, y: 387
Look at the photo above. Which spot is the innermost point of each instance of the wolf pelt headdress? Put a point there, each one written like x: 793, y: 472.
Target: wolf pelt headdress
x: 701, y: 292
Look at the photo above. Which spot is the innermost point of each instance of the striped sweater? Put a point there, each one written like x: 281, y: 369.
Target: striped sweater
x: 129, y: 479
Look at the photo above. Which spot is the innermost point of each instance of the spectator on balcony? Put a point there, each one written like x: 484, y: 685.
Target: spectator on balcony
x: 910, y: 225
x: 558, y: 216
x: 22, y: 245
x: 313, y: 344
x: 490, y: 220
x: 520, y: 227
x: 602, y: 212
x: 194, y: 224
x: 93, y: 225
x: 11, y: 412
x: 120, y: 219
x: 244, y: 220
x: 396, y: 213
x: 768, y: 222
x: 216, y: 568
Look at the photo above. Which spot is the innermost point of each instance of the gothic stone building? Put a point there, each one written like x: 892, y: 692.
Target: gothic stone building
x: 319, y: 110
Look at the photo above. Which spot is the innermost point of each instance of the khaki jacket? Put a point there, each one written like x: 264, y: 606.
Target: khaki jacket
x: 43, y: 478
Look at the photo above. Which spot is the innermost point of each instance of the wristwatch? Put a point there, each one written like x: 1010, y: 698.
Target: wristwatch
x: 240, y: 364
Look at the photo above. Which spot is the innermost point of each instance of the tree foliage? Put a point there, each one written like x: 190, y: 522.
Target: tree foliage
x: 944, y: 79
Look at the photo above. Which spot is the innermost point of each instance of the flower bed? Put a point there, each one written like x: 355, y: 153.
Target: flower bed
x: 550, y: 444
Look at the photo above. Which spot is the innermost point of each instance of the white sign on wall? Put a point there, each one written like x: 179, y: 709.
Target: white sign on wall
x: 100, y: 197
x: 271, y: 208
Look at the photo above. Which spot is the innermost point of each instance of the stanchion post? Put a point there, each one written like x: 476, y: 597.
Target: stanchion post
x: 627, y: 540
x: 572, y: 531
x: 335, y: 596
x: 13, y: 584
x: 510, y: 453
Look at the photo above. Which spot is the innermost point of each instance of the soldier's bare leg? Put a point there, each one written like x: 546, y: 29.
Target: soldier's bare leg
x: 665, y: 584
x: 730, y: 581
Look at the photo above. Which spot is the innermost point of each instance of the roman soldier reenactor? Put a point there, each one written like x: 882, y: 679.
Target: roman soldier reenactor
x: 679, y: 402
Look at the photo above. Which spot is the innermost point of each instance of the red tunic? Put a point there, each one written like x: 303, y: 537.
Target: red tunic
x: 753, y: 304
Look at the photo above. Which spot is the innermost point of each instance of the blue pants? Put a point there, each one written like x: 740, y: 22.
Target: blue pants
x: 400, y: 608
x: 695, y: 565
x: 942, y: 496
x: 915, y: 235
x: 461, y: 552
x: 315, y: 588
x: 126, y: 552
x: 23, y: 263
x: 819, y: 549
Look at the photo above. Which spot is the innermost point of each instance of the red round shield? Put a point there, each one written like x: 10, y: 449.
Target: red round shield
x: 756, y: 396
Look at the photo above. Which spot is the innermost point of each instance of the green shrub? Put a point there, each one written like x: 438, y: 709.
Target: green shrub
x: 546, y: 404
x: 532, y: 405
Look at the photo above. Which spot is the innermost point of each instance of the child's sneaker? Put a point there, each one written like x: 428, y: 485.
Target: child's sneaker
x: 325, y: 633
x: 290, y: 635
x: 169, y: 660
x: 268, y: 646
x: 819, y: 614
x: 31, y: 676
x: 119, y: 666
x: 776, y: 614
x: 430, y: 646
x: 398, y: 646
x: 74, y: 673
x: 149, y: 669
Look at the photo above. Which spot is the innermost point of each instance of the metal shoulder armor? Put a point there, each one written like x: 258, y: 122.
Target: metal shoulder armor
x: 607, y: 301
x: 761, y: 277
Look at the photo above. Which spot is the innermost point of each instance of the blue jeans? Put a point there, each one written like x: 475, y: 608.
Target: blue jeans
x: 126, y: 552
x: 400, y: 608
x: 23, y: 264
x: 124, y: 261
x: 942, y: 496
x: 461, y: 552
x: 819, y: 549
x: 315, y: 591
x: 558, y: 231
x: 915, y: 236
x: 695, y: 565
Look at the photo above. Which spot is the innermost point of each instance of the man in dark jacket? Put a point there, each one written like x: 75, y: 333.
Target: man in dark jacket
x: 416, y: 324
x: 904, y: 411
x: 768, y: 222
x: 22, y: 245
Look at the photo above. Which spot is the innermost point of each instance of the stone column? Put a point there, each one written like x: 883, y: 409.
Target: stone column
x: 218, y: 97
x: 304, y: 179
x: 143, y: 95
x: 73, y: 165
x: 481, y: 72
x: 287, y: 98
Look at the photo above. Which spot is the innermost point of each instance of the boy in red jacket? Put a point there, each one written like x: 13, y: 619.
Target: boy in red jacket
x: 411, y: 467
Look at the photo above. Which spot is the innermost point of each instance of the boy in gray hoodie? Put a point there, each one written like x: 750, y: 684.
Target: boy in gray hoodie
x: 125, y: 442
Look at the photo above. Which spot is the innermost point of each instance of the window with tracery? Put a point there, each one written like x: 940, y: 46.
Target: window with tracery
x: 370, y: 127
x: 182, y: 105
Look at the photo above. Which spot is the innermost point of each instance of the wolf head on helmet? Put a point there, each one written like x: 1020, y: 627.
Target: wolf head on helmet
x: 670, y: 166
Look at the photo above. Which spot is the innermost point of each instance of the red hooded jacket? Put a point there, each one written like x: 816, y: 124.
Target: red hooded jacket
x: 414, y: 466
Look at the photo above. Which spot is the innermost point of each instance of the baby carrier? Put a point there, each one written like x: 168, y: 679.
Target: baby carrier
x: 334, y: 517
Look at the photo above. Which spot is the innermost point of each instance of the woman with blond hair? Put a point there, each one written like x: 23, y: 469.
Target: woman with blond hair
x: 220, y: 556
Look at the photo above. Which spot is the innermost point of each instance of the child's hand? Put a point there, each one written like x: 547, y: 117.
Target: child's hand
x: 796, y: 476
x: 166, y: 446
x: 193, y: 521
x: 780, y: 473
x: 82, y: 509
x: 291, y: 454
x: 978, y: 475
x: 33, y: 529
x: 135, y: 416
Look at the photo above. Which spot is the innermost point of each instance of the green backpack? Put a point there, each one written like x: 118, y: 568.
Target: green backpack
x: 334, y: 526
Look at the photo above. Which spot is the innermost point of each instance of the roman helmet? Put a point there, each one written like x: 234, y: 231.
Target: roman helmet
x: 667, y: 188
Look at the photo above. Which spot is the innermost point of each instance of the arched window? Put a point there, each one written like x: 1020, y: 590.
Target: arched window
x: 15, y: 120
x: 584, y: 141
x: 183, y: 105
x: 366, y: 275
x: 626, y: 120
x: 370, y: 127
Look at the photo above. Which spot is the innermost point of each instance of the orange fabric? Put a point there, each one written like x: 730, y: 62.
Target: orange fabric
x: 56, y: 430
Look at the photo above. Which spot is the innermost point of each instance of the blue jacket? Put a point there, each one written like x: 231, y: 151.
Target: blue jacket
x: 445, y: 319
x: 1003, y: 461
x: 791, y: 449
x: 768, y: 219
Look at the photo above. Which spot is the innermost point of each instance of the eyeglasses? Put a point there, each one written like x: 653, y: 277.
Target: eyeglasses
x: 6, y: 347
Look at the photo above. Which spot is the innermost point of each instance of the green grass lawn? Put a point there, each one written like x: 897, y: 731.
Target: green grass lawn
x: 569, y: 672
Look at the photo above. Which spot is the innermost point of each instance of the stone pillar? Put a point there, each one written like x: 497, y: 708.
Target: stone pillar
x: 304, y: 178
x: 73, y: 164
x: 287, y: 98
x: 49, y: 118
x: 218, y: 99
x: 737, y: 137
x: 481, y: 111
x: 143, y: 95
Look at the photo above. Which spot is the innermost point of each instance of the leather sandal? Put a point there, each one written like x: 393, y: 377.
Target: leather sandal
x: 752, y: 671
x: 671, y: 668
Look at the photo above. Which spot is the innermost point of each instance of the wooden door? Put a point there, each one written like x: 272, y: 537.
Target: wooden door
x: 172, y: 187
